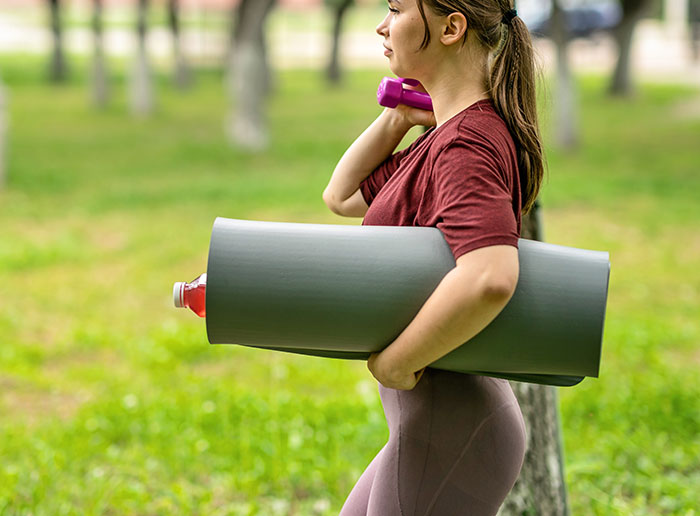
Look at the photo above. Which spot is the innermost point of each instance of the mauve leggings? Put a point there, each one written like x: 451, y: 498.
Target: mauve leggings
x: 456, y: 446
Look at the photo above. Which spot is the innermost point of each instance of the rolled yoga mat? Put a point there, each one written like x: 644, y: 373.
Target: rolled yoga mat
x: 347, y: 291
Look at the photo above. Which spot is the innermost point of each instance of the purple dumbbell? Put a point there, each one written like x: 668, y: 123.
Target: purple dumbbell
x: 391, y: 93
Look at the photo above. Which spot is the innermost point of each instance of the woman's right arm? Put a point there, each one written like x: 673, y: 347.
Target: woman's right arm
x: 368, y: 151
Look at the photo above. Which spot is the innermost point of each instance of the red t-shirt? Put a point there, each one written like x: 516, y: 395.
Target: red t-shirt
x: 461, y: 177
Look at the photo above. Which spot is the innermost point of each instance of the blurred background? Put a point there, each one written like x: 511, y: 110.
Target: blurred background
x: 126, y: 127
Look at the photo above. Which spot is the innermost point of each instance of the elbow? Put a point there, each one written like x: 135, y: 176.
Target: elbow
x: 331, y: 202
x: 491, y: 274
x: 499, y: 288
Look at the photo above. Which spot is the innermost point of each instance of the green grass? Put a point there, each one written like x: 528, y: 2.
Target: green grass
x: 112, y: 402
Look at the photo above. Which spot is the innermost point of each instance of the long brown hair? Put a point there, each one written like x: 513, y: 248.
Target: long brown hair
x: 510, y: 81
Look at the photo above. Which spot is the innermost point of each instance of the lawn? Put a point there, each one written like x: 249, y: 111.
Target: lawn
x: 112, y: 402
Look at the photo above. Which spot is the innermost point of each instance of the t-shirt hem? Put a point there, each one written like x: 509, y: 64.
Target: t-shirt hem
x: 484, y: 242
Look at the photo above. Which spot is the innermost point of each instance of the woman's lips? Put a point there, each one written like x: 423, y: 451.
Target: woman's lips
x: 387, y: 51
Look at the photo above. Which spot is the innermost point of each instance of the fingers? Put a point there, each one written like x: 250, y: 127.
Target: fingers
x: 416, y: 116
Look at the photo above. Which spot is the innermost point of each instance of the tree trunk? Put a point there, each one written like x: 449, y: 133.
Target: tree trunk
x: 541, y: 488
x: 694, y: 29
x: 141, y: 87
x: 621, y: 83
x: 695, y: 41
x: 249, y: 76
x: 58, y: 70
x: 3, y: 136
x: 632, y: 11
x: 566, y: 134
x: 333, y: 71
x: 250, y: 27
x: 100, y: 88
x: 182, y: 76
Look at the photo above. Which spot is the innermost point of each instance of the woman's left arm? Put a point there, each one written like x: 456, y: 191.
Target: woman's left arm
x: 467, y: 299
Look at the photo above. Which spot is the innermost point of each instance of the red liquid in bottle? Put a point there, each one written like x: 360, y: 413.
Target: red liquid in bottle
x: 192, y: 295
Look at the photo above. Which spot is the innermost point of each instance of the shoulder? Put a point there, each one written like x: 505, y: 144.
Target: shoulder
x: 477, y: 133
x: 476, y: 148
x: 481, y: 125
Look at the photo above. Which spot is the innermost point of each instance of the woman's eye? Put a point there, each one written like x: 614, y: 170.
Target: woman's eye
x: 395, y: 11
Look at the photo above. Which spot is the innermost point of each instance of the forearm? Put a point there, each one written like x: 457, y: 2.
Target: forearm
x: 372, y: 147
x: 463, y: 304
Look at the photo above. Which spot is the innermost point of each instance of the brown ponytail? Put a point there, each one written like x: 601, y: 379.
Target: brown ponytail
x: 513, y: 92
x: 511, y: 80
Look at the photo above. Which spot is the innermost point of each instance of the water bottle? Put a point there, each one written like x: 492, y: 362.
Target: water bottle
x: 191, y: 295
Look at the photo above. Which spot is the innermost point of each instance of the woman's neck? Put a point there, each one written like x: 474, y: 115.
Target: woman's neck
x: 450, y: 99
x: 455, y: 88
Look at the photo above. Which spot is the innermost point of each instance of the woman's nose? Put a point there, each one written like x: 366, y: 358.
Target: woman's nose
x: 382, y: 28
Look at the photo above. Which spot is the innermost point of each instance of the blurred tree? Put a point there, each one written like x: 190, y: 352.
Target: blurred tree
x: 338, y: 8
x: 100, y: 89
x: 541, y: 487
x: 694, y: 22
x: 249, y: 75
x: 141, y: 88
x: 58, y: 69
x: 183, y: 75
x: 566, y: 134
x: 632, y: 12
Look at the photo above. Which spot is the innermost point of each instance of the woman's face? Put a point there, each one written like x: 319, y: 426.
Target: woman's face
x: 403, y: 31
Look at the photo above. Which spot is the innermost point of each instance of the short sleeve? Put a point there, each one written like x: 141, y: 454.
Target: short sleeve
x: 380, y: 176
x: 474, y: 197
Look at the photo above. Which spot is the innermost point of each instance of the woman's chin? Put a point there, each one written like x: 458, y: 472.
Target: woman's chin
x: 399, y: 70
x: 396, y: 70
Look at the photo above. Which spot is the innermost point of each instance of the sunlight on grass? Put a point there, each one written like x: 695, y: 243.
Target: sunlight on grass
x: 113, y: 402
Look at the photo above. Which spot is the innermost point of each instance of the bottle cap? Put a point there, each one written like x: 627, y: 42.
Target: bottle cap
x: 178, y: 289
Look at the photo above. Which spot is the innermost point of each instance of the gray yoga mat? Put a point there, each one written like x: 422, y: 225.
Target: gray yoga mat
x: 346, y: 291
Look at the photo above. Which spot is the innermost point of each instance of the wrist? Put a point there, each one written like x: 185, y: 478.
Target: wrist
x: 396, y: 122
x: 394, y: 363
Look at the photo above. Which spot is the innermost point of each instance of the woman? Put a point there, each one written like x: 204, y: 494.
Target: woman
x: 456, y: 441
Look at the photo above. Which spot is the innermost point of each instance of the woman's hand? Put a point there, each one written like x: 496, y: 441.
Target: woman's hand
x: 390, y: 376
x: 415, y: 116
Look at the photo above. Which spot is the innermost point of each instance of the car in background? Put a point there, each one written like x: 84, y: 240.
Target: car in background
x: 583, y: 18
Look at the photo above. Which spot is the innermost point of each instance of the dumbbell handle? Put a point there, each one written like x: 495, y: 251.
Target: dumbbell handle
x: 391, y: 93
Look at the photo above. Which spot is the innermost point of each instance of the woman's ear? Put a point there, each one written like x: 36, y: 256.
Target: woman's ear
x: 454, y: 28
